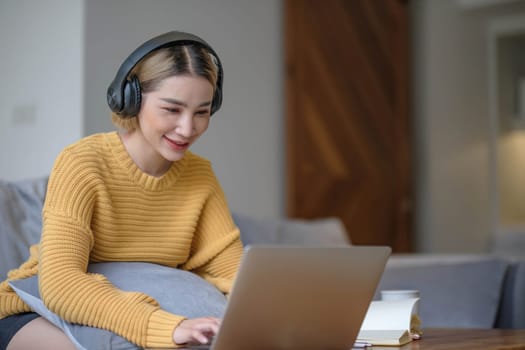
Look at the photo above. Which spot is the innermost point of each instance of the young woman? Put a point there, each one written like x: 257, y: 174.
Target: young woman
x: 137, y: 194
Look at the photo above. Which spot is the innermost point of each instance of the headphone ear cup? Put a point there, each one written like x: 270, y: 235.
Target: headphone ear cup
x: 217, y: 100
x: 132, y: 97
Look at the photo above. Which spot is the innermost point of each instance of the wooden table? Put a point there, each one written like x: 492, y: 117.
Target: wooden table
x: 467, y: 339
x: 463, y: 339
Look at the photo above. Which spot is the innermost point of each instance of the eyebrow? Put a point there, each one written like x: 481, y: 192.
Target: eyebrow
x: 183, y: 104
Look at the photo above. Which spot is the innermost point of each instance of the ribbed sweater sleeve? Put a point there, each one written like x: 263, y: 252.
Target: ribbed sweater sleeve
x: 216, y: 258
x: 10, y: 303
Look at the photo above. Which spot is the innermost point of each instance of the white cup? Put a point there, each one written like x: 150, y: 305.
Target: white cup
x: 401, y: 294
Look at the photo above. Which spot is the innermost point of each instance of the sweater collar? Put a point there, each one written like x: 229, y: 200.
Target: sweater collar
x: 142, y: 179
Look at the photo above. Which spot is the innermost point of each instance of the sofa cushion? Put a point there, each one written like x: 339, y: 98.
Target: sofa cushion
x: 458, y: 294
x: 512, y: 305
x: 21, y: 220
x: 177, y: 291
x: 326, y: 231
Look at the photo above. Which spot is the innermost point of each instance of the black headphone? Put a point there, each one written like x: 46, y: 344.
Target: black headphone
x: 124, y: 93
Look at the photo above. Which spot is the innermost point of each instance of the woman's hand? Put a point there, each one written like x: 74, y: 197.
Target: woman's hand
x: 196, y: 330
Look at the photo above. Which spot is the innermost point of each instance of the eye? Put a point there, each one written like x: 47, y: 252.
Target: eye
x: 202, y: 113
x: 173, y: 110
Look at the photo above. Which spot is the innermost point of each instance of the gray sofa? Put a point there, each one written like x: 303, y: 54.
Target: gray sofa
x: 470, y: 291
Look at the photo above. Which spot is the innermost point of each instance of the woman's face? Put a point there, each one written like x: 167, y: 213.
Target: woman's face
x: 174, y: 116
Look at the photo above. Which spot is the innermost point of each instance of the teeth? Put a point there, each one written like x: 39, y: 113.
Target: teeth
x: 178, y: 143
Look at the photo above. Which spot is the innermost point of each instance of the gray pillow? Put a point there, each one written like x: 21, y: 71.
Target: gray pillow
x: 177, y: 291
x: 462, y: 295
x: 21, y: 220
x: 318, y: 232
x: 256, y: 230
x: 324, y: 231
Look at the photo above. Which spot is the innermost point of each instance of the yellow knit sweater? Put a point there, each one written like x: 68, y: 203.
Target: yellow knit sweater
x: 101, y: 207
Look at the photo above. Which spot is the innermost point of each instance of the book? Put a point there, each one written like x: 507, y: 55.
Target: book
x: 396, y: 337
x: 391, y: 323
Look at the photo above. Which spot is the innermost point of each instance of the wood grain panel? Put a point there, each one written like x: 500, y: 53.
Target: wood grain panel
x: 347, y: 116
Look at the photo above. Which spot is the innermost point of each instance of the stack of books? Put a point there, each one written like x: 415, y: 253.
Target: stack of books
x: 391, y: 323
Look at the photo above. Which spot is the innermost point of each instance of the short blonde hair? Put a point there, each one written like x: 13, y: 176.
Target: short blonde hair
x: 154, y: 68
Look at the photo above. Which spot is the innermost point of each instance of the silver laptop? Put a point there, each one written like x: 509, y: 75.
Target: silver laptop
x: 289, y: 297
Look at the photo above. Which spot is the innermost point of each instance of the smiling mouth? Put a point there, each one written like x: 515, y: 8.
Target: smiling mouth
x: 178, y: 145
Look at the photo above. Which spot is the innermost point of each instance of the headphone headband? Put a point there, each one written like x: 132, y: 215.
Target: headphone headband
x: 124, y: 94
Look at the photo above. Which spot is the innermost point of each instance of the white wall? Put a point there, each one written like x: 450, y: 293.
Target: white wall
x: 244, y: 141
x: 451, y: 112
x: 41, y: 88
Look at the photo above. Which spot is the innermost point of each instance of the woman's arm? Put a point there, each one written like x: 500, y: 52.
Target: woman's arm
x: 216, y: 248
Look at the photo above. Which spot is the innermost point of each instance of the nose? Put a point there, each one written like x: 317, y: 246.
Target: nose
x: 185, y: 125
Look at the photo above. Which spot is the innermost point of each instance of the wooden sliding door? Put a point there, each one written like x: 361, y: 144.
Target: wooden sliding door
x: 348, y: 125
